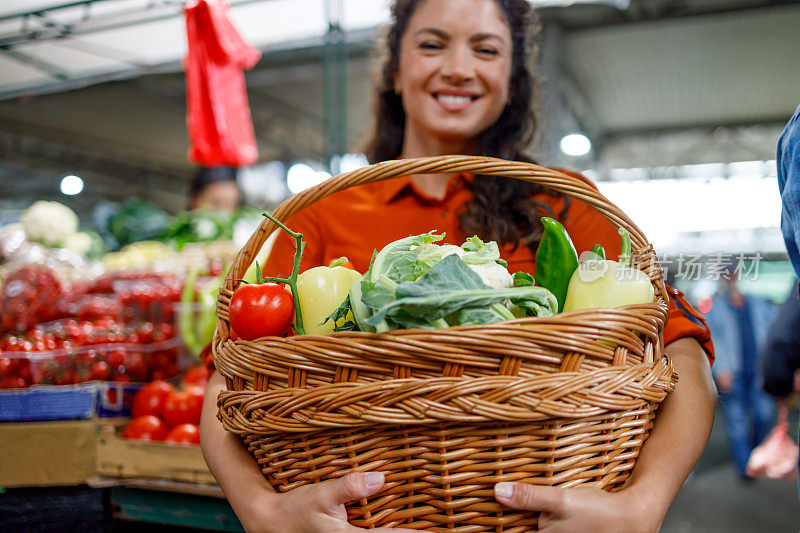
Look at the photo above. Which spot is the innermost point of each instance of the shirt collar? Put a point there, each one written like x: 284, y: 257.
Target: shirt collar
x: 391, y: 189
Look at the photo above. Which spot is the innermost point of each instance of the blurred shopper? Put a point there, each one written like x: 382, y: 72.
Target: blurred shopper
x: 782, y: 348
x: 739, y: 326
x: 781, y: 369
x: 455, y: 80
x: 215, y: 188
x: 788, y: 159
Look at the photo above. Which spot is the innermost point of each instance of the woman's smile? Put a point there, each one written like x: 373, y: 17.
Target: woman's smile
x: 454, y: 100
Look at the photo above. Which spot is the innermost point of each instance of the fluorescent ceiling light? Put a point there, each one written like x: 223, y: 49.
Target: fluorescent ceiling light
x: 576, y: 144
x: 71, y: 185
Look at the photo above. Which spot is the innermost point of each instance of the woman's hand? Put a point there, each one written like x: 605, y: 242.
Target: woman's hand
x: 313, y: 508
x: 576, y: 509
x: 682, y: 427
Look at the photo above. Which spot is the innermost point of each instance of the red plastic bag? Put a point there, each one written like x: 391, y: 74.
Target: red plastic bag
x: 218, y: 113
x: 776, y: 457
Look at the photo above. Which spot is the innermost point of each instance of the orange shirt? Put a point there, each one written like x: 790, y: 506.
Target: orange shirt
x: 359, y: 220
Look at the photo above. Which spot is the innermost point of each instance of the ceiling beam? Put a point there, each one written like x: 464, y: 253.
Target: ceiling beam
x: 48, y: 68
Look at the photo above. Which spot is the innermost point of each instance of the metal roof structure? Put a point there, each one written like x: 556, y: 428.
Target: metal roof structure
x: 99, y: 84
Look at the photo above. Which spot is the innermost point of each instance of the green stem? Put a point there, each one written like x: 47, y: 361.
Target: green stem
x: 291, y: 281
x: 338, y: 262
x: 625, y: 251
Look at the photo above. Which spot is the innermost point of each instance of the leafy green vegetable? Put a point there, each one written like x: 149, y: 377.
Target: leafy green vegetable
x: 522, y: 279
x: 135, y: 221
x: 398, y: 259
x: 414, y: 283
x: 450, y: 287
x: 479, y: 252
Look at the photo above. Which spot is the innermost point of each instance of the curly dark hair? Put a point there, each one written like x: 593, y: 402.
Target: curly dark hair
x: 502, y: 209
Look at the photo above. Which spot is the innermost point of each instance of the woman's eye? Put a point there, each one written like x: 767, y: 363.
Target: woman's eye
x: 487, y: 50
x: 430, y: 45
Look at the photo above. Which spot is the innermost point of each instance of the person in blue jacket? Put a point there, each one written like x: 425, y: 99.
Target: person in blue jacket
x: 739, y: 326
x: 788, y: 160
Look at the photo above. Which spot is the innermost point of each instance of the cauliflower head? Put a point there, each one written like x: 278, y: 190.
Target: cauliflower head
x: 49, y: 223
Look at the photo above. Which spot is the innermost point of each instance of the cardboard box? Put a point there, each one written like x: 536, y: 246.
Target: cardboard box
x: 47, y: 453
x: 125, y: 458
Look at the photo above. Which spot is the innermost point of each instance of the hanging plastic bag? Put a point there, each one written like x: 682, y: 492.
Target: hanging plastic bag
x: 776, y: 457
x: 218, y: 113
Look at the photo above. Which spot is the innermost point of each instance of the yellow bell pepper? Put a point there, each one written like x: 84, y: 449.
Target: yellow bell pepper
x: 598, y: 283
x: 321, y: 290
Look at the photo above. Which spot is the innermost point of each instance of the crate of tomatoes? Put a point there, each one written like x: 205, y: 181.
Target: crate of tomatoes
x: 109, y: 359
x: 161, y: 439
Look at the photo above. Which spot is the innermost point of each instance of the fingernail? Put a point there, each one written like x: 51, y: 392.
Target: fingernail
x: 504, y: 490
x: 373, y: 479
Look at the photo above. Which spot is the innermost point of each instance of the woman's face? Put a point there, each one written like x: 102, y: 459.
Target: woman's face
x: 218, y: 196
x: 454, y: 70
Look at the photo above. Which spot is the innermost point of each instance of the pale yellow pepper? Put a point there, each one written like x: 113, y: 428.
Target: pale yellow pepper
x: 602, y: 283
x: 321, y: 290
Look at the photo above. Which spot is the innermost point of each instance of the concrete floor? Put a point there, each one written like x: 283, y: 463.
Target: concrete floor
x: 714, y: 499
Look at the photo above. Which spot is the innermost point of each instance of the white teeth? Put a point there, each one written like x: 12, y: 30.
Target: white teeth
x: 455, y: 100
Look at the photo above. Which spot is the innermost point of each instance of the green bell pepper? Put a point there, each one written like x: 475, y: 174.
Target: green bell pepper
x: 556, y: 260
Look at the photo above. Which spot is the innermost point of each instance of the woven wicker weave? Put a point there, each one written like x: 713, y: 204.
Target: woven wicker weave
x: 446, y: 414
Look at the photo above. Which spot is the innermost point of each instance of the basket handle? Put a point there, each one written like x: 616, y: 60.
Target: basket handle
x: 576, y: 187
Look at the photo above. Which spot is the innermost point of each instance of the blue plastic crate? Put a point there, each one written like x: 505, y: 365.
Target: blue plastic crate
x: 115, y: 399
x: 48, y: 402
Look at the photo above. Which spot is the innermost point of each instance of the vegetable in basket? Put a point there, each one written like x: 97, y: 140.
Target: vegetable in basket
x: 321, y: 291
x: 266, y: 308
x: 415, y: 283
x: 607, y: 284
x: 261, y: 310
x: 556, y: 260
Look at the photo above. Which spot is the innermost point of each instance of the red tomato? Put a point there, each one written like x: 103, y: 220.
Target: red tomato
x: 184, y: 434
x: 261, y: 310
x: 150, y: 399
x: 99, y: 371
x: 184, y: 406
x: 197, y: 375
x: 136, y: 366
x: 147, y: 427
x: 13, y: 382
x: 6, y: 366
x: 116, y: 358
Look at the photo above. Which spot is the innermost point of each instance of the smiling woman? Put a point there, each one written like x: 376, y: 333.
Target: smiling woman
x: 455, y: 79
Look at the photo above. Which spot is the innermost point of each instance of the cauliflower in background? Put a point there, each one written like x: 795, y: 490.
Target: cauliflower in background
x: 80, y: 243
x: 49, y: 223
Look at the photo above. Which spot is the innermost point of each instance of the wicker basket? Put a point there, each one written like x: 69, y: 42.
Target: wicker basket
x: 445, y: 414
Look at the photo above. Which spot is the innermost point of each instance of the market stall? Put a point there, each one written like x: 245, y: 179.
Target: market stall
x: 99, y: 348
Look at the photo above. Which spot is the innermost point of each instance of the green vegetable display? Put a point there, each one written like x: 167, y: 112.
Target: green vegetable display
x: 136, y: 221
x: 414, y: 283
x: 556, y: 260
